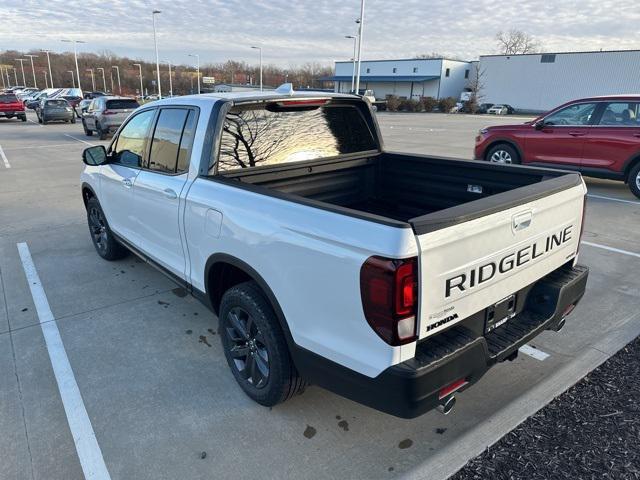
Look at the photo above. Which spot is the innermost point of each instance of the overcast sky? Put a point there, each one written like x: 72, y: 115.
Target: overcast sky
x: 294, y: 32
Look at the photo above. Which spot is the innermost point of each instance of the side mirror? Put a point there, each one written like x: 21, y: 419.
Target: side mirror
x: 539, y: 125
x: 95, y: 156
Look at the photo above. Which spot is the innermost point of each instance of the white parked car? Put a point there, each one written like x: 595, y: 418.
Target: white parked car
x: 393, y: 279
x: 501, y: 110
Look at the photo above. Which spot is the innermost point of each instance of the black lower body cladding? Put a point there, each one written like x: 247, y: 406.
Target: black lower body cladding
x: 412, y: 388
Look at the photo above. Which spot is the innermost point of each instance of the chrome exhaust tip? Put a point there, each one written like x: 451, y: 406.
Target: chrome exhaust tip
x: 560, y: 325
x: 446, y: 406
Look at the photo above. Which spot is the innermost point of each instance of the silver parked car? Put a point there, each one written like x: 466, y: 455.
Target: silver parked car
x: 105, y: 114
x: 55, y: 109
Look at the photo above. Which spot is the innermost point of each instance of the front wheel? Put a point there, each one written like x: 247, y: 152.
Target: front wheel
x: 255, y: 347
x: 634, y: 180
x: 101, y: 235
x: 503, y: 153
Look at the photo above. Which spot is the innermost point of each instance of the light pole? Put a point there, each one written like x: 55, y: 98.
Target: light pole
x: 4, y: 85
x: 49, y: 63
x: 197, y: 68
x: 75, y: 56
x: 33, y: 70
x: 72, y: 79
x: 118, y: 73
x: 46, y: 84
x: 360, y: 37
x: 170, y: 80
x: 93, y: 80
x: 24, y: 81
x: 260, y: 49
x: 155, y: 42
x: 111, y: 79
x: 141, y: 87
x: 15, y: 74
x: 103, y: 79
x: 355, y: 45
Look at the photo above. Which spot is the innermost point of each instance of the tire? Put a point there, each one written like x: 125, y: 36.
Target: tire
x: 255, y: 346
x: 73, y: 119
x: 503, y: 153
x: 24, y: 119
x: 634, y: 180
x: 44, y: 120
x: 87, y: 132
x: 39, y: 119
x: 102, y: 134
x: 101, y: 235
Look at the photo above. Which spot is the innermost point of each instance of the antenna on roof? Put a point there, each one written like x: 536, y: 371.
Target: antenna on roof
x: 285, y: 89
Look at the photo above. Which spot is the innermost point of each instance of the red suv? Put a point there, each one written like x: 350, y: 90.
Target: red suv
x: 11, y: 107
x: 598, y: 136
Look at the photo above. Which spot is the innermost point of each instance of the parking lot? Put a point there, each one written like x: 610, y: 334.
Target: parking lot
x: 151, y: 373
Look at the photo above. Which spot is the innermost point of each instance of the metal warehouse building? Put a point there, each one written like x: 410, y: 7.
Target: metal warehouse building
x: 539, y: 82
x: 408, y: 78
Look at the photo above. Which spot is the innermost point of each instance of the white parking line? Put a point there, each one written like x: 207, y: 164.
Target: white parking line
x: 79, y: 140
x: 613, y: 199
x: 89, y: 452
x: 40, y: 125
x: 534, y: 352
x: 4, y: 159
x: 612, y: 249
x: 30, y: 147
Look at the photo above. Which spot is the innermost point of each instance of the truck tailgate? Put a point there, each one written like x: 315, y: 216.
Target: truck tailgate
x: 467, y: 266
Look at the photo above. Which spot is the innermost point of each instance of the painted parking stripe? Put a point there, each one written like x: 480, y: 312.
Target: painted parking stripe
x: 612, y: 249
x: 4, y: 159
x: 87, y: 447
x: 534, y: 352
x: 41, y: 126
x: 613, y: 199
x: 79, y: 140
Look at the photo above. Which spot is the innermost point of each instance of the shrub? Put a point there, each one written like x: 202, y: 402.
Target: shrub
x: 393, y: 103
x: 446, y: 104
x: 428, y: 103
x: 470, y: 106
x: 410, y: 106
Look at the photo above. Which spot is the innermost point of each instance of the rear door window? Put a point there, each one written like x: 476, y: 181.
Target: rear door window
x: 129, y: 147
x: 122, y: 104
x: 620, y: 114
x: 166, y: 142
x: 8, y: 98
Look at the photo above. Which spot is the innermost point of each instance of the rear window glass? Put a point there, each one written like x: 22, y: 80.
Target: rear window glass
x: 254, y: 136
x: 8, y: 98
x: 122, y: 104
x: 57, y: 103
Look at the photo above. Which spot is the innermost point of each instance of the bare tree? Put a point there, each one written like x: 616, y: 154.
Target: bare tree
x: 516, y: 41
x: 475, y: 87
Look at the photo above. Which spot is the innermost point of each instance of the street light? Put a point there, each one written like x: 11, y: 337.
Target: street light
x: 103, y: 79
x: 170, y: 81
x: 15, y: 74
x: 33, y: 70
x: 118, y: 73
x: 49, y: 63
x: 93, y: 80
x: 24, y: 81
x: 141, y: 87
x: 75, y: 56
x: 353, y: 74
x: 260, y: 49
x: 46, y: 84
x: 360, y: 36
x: 155, y: 42
x: 197, y: 68
x: 72, y: 79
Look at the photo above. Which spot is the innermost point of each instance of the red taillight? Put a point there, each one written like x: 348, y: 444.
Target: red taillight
x: 452, y: 388
x: 303, y: 103
x: 389, y: 297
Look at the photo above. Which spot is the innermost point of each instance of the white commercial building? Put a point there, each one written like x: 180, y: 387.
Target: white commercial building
x: 409, y: 78
x: 539, y: 82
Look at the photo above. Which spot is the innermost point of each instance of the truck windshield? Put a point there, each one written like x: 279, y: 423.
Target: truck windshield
x: 255, y: 136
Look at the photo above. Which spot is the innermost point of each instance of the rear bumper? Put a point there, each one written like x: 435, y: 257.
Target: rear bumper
x: 16, y: 113
x: 412, y: 388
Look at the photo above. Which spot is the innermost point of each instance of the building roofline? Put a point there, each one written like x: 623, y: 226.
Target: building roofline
x: 407, y: 60
x: 559, y: 53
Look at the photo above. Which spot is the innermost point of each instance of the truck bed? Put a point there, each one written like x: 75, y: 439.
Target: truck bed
x: 427, y: 192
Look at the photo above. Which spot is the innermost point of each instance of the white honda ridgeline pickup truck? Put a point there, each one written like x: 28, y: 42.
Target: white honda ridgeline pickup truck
x: 394, y: 280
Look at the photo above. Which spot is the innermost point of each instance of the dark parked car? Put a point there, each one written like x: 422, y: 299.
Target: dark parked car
x: 74, y: 101
x: 106, y: 114
x: 55, y: 109
x: 597, y: 136
x: 91, y: 95
x: 484, y: 107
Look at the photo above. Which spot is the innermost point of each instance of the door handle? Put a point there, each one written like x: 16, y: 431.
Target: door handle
x: 636, y: 135
x: 170, y: 194
x: 577, y: 134
x: 126, y: 183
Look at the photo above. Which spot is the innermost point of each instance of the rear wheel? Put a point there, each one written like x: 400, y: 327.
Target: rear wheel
x: 73, y: 119
x: 255, y: 346
x: 503, y: 153
x: 634, y: 180
x: 103, y: 239
x: 102, y: 134
x: 87, y: 132
x: 23, y: 118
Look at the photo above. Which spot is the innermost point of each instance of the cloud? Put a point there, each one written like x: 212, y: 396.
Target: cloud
x: 295, y: 32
